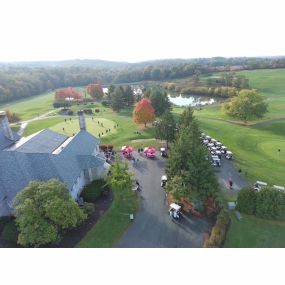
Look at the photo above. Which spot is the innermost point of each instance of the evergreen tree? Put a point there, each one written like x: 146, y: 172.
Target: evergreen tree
x: 190, y: 161
x: 166, y: 127
x: 160, y: 102
x: 117, y: 102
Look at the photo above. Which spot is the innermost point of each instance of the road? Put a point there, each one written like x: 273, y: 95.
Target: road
x: 152, y: 226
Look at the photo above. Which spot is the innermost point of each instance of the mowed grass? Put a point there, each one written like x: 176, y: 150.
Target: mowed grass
x: 114, y: 223
x: 70, y: 127
x: 255, y: 148
x: 270, y: 83
x: 41, y: 124
x: 252, y: 232
x: 31, y: 107
x: 124, y: 134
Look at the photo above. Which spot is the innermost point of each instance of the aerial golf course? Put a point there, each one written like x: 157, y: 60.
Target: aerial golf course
x: 255, y: 146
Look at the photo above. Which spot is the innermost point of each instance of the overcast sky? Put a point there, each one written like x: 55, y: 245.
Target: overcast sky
x: 132, y: 30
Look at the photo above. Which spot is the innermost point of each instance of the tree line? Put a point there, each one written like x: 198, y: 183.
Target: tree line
x: 21, y: 81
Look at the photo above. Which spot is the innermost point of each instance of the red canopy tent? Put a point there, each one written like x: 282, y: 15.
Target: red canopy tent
x: 150, y: 152
x: 127, y: 151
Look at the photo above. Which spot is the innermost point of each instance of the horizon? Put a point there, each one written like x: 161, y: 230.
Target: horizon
x: 140, y: 31
x: 135, y: 62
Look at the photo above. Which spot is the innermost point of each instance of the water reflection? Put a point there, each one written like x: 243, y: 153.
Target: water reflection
x: 190, y: 100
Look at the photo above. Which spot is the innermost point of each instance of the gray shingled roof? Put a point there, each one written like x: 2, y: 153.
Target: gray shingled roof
x: 44, y: 142
x: 18, y: 168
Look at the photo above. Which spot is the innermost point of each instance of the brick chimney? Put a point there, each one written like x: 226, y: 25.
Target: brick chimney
x: 4, y: 125
x: 82, y: 122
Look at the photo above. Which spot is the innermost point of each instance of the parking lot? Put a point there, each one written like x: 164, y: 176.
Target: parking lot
x: 152, y: 227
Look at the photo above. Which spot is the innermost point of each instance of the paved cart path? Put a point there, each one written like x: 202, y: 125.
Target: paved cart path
x: 152, y: 226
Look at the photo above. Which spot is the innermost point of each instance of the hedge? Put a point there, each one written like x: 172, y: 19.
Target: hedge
x: 218, y: 233
x: 246, y: 201
x: 268, y: 203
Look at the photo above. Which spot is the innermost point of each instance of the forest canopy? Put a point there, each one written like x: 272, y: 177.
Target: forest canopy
x: 21, y: 80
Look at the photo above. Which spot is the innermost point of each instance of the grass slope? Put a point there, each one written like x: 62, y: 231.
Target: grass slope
x: 254, y: 232
x: 31, y: 107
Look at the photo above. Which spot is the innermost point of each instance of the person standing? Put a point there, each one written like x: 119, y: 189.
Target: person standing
x: 231, y: 183
x: 239, y: 172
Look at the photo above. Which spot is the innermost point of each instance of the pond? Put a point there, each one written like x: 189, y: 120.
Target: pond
x: 190, y: 100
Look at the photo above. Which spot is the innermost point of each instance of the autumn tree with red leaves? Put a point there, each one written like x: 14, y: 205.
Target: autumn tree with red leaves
x: 143, y: 112
x: 95, y: 91
x: 62, y: 94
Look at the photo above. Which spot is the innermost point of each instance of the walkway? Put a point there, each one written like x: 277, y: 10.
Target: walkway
x: 227, y: 171
x: 152, y: 226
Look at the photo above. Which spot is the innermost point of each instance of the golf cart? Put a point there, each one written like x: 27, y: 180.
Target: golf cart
x: 280, y: 188
x: 174, y: 211
x: 163, y: 180
x: 209, y: 145
x: 208, y: 138
x: 229, y: 155
x: 218, y: 145
x: 219, y: 154
x: 216, y: 161
x: 163, y: 152
x: 258, y: 185
x: 223, y: 149
x: 205, y: 142
x: 214, y: 141
x: 213, y: 150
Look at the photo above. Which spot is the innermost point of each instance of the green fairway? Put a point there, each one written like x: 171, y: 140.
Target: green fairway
x: 255, y: 148
x: 270, y: 83
x: 31, y: 107
x: 254, y: 232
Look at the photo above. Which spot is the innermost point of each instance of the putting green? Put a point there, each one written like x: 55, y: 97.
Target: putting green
x: 68, y: 128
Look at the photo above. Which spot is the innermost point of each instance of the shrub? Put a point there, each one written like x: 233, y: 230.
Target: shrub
x: 3, y: 222
x: 88, y: 208
x: 92, y: 191
x: 12, y: 117
x: 218, y: 233
x: 270, y: 204
x: 105, y: 103
x: 97, y: 110
x: 88, y: 111
x: 246, y: 201
x: 60, y: 104
x: 10, y: 232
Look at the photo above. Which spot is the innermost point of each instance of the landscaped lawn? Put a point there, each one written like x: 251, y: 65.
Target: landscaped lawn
x: 114, y: 223
x: 255, y: 232
x: 254, y: 148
